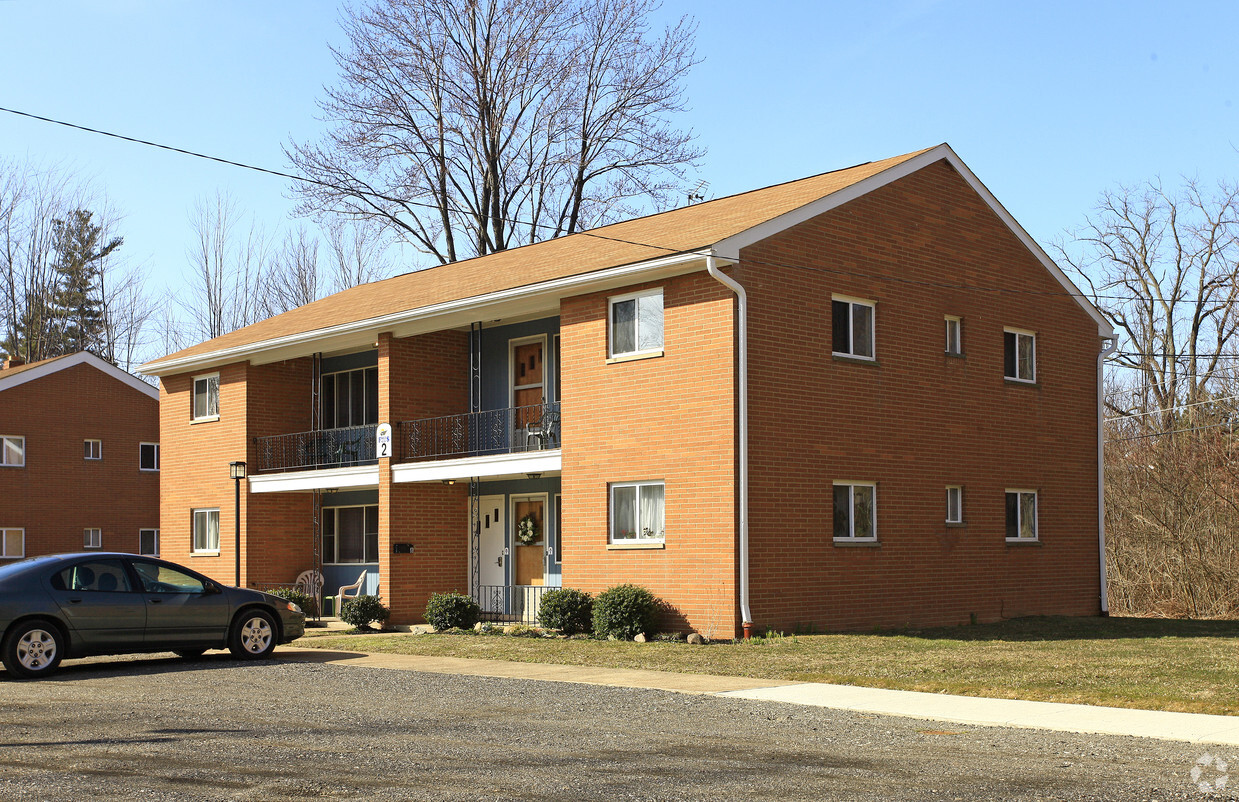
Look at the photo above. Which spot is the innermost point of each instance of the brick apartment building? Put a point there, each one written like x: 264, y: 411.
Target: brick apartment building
x: 79, y: 458
x: 865, y: 398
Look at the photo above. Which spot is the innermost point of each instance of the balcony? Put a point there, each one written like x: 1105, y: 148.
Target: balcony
x: 480, y: 434
x: 307, y: 451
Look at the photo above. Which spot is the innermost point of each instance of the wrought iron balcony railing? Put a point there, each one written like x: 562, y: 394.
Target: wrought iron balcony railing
x: 475, y: 434
x: 327, y: 448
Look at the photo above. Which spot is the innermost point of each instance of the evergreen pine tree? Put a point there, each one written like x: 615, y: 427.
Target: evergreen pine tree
x: 78, y: 305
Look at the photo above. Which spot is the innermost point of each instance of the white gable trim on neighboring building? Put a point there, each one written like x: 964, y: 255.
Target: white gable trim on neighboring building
x: 73, y: 360
x: 730, y: 247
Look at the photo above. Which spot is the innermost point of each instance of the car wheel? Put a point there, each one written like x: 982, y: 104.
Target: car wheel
x: 253, y: 635
x: 33, y: 649
x: 189, y: 654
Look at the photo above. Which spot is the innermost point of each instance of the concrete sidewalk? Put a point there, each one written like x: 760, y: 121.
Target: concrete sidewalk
x: 1191, y: 727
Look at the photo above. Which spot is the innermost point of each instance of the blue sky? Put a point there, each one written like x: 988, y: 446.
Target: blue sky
x: 1050, y: 103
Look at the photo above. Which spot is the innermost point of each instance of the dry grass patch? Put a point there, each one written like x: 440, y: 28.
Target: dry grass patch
x: 1155, y: 664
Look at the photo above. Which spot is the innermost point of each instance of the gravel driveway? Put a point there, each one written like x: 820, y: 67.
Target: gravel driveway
x: 218, y: 729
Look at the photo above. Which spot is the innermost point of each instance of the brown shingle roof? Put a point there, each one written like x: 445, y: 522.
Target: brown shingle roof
x: 7, y: 372
x: 680, y: 230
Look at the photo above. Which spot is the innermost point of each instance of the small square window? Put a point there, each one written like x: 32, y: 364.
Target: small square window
x: 206, y: 530
x: 954, y: 336
x: 638, y: 512
x: 12, y: 543
x: 206, y: 397
x: 92, y: 449
x: 148, y: 456
x: 954, y: 504
x: 852, y: 328
x: 855, y: 514
x: 1019, y: 358
x: 92, y: 538
x: 636, y: 323
x: 1021, y: 515
x: 12, y: 451
x: 148, y: 542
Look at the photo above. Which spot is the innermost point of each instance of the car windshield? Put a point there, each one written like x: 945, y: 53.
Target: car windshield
x: 19, y: 568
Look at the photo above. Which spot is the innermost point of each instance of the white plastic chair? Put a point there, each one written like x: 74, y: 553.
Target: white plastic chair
x: 312, y: 583
x: 347, y: 592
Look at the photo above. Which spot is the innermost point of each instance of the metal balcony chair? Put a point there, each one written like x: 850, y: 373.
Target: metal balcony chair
x: 545, y: 431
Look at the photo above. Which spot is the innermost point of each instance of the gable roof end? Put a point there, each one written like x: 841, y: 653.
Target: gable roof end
x: 14, y: 377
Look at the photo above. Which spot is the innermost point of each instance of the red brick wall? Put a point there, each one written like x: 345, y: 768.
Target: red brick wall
x: 917, y: 420
x: 669, y: 418
x: 58, y: 493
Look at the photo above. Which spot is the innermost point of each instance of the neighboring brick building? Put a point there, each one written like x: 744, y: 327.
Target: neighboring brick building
x: 922, y: 421
x: 79, y: 458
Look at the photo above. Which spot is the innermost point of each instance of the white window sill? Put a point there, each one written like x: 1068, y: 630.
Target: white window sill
x: 1024, y: 541
x: 149, y: 470
x: 204, y: 554
x: 635, y: 355
x: 652, y: 544
x: 207, y: 419
x: 1013, y: 380
x: 857, y: 541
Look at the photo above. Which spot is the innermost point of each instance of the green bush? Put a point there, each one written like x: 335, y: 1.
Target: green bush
x: 447, y: 610
x: 624, y: 611
x: 362, y: 610
x: 298, y: 597
x: 567, y: 609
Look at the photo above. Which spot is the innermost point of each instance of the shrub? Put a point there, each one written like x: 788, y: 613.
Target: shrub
x: 448, y: 610
x: 624, y: 611
x: 298, y: 597
x: 362, y: 610
x: 567, y: 609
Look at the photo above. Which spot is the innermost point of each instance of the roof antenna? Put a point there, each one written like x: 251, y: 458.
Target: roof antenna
x: 697, y: 194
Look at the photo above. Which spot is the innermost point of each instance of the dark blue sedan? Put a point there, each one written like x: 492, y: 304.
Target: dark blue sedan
x: 75, y: 605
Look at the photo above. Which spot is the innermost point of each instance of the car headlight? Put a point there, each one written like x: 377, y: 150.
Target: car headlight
x: 292, y: 608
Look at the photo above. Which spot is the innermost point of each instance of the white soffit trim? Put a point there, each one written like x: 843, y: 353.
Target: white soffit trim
x: 328, y: 479
x: 80, y: 358
x: 490, y: 467
x: 460, y: 312
x: 730, y: 247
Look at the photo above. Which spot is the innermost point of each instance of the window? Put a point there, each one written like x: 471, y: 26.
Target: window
x: 1021, y: 515
x: 852, y: 324
x: 148, y: 456
x: 92, y: 538
x: 637, y: 323
x: 206, y: 531
x: 954, y: 505
x: 954, y: 339
x: 350, y: 398
x: 1019, y: 359
x: 854, y: 511
x: 92, y: 449
x: 148, y: 542
x: 206, y: 397
x: 12, y: 543
x: 100, y: 576
x: 158, y: 578
x: 637, y: 512
x: 351, y: 534
x: 12, y: 451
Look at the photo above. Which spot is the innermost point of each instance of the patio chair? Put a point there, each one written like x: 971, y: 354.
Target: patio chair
x: 311, y: 582
x: 347, y: 592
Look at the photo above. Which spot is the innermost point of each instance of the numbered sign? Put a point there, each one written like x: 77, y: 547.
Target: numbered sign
x: 382, y: 437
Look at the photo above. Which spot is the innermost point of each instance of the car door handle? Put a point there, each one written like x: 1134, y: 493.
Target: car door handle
x: 75, y: 601
x: 155, y: 601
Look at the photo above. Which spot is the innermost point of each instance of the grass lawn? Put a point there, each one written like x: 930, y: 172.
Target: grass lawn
x: 1156, y: 664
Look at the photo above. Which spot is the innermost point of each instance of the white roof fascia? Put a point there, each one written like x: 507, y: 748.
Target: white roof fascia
x: 460, y: 312
x: 327, y: 479
x: 492, y: 466
x: 730, y: 247
x: 80, y: 358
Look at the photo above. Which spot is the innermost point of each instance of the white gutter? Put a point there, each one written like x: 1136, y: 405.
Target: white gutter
x: 742, y: 340
x: 1101, y: 471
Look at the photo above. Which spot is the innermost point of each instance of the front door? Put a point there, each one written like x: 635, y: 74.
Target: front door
x: 492, y: 556
x: 529, y: 536
x: 528, y: 389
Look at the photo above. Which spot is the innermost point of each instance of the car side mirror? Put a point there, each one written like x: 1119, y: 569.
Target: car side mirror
x: 210, y: 587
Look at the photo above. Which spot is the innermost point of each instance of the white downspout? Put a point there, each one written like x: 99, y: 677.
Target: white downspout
x: 1101, y: 470
x: 742, y: 347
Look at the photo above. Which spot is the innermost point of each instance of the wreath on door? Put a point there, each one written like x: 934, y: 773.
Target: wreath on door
x: 527, y: 531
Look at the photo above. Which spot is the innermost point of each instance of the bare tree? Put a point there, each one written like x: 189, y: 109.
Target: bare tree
x: 455, y: 119
x: 228, y: 262
x: 294, y: 276
x: 358, y: 255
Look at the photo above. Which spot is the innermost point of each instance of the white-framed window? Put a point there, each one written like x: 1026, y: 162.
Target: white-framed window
x: 148, y: 456
x: 638, y: 512
x: 636, y: 323
x: 855, y: 511
x: 12, y: 543
x: 12, y: 451
x: 954, y: 335
x: 954, y: 504
x: 92, y: 538
x: 1021, y: 515
x: 92, y: 449
x: 1019, y: 355
x: 206, y: 531
x: 351, y: 534
x: 206, y: 397
x: 148, y: 542
x: 852, y: 327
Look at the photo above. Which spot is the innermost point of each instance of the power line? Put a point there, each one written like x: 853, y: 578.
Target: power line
x: 1172, y: 431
